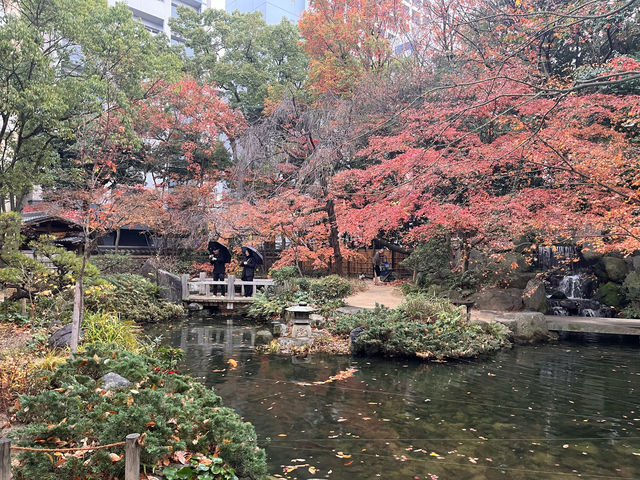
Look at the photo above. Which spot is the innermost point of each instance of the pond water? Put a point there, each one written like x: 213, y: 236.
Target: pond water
x: 557, y: 411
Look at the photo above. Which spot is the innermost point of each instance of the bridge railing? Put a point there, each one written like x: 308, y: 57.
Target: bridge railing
x: 203, y: 285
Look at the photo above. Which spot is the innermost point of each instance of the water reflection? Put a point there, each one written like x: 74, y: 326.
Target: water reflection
x: 556, y: 411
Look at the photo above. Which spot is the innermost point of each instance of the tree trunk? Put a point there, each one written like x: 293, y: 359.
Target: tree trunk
x: 78, y: 304
x: 334, y: 239
x: 117, y: 242
x: 234, y: 157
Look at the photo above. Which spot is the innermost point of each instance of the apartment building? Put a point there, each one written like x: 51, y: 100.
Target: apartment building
x: 155, y: 14
x: 273, y: 11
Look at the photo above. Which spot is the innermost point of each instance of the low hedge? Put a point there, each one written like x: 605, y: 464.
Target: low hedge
x: 326, y: 293
x: 175, y: 412
x: 422, y: 327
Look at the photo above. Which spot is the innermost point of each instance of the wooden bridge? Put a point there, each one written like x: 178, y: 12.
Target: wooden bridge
x: 198, y: 290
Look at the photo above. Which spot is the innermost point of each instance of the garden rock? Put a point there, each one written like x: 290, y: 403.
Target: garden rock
x: 317, y: 320
x: 534, y: 296
x: 113, y: 381
x: 355, y: 334
x: 170, y: 286
x: 527, y: 327
x: 590, y: 255
x: 149, y: 271
x: 616, y: 268
x: 506, y: 300
x: 62, y: 338
x: 263, y: 337
x: 519, y: 279
x: 194, y: 307
x: 610, y: 294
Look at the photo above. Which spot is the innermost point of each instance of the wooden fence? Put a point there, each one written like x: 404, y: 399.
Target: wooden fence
x: 131, y: 455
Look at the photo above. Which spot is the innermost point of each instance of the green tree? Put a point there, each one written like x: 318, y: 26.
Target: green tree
x: 62, y: 62
x: 250, y: 60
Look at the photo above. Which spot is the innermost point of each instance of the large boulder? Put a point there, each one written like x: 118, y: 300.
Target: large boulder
x: 590, y: 255
x: 527, y: 327
x: 634, y: 263
x: 506, y: 300
x: 170, y: 286
x: 62, y: 338
x: 519, y: 279
x: 534, y: 296
x: 610, y: 294
x: 616, y: 268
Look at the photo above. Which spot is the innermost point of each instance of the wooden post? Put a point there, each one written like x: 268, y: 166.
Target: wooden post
x: 132, y: 457
x: 203, y: 277
x: 185, y: 286
x: 5, y: 459
x: 231, y: 289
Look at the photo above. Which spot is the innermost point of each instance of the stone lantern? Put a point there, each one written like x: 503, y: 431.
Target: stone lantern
x: 300, y: 316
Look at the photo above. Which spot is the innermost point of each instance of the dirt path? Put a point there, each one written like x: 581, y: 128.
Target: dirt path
x: 387, y: 295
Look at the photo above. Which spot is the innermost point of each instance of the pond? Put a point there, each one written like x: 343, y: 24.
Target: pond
x: 556, y: 411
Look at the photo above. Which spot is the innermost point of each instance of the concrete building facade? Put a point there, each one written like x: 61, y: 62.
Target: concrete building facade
x: 273, y: 11
x: 155, y: 14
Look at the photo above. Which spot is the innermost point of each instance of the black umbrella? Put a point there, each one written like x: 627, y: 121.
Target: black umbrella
x: 225, y: 255
x: 255, y: 253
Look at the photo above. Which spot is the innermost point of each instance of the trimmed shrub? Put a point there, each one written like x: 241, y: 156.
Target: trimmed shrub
x: 330, y: 288
x: 174, y: 411
x: 325, y: 293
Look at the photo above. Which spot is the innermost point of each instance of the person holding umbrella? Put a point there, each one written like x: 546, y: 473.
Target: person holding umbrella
x: 219, y: 257
x: 252, y: 259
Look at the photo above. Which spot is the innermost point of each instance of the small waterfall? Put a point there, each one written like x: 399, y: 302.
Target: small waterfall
x: 578, y: 290
x: 574, y: 286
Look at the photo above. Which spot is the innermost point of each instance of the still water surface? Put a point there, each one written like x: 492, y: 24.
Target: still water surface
x: 559, y: 411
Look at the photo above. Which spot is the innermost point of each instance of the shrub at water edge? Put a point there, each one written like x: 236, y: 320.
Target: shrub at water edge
x: 423, y: 327
x: 174, y: 411
x: 133, y: 297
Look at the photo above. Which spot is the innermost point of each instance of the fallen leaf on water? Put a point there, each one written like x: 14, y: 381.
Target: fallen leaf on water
x: 233, y: 363
x: 566, y: 445
x: 312, y: 470
x: 338, y: 376
x: 348, y: 463
x: 282, y: 434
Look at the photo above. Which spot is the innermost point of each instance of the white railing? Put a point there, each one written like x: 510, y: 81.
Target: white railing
x: 203, y: 285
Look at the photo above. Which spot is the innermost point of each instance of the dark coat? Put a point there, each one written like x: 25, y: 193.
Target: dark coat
x: 249, y: 268
x: 221, y: 259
